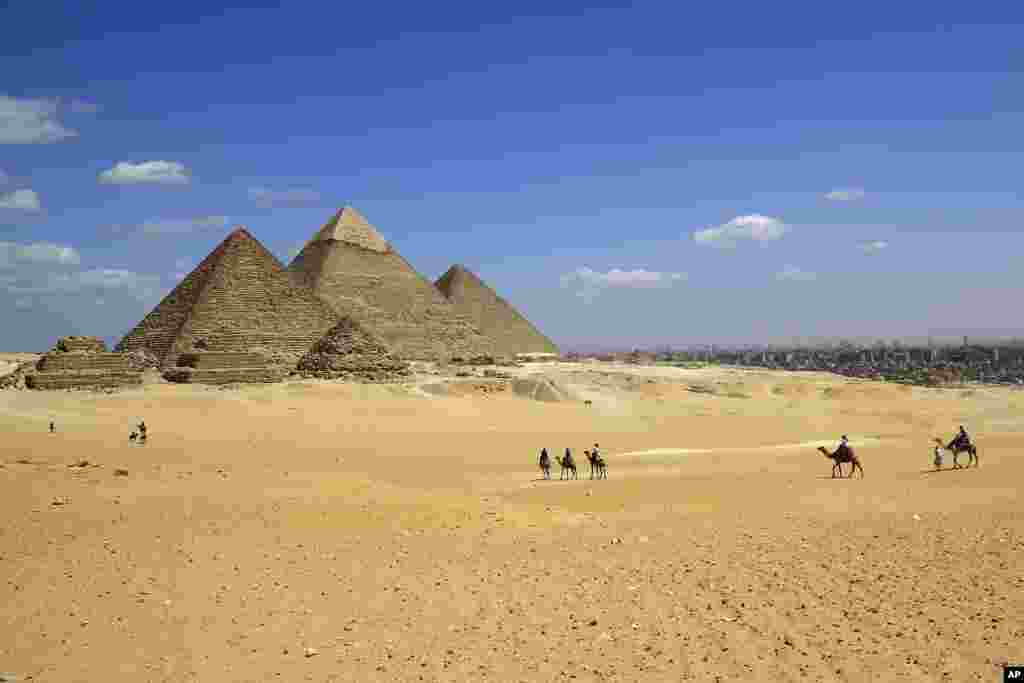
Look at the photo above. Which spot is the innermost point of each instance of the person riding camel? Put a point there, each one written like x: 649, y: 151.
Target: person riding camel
x: 961, y: 440
x: 844, y: 445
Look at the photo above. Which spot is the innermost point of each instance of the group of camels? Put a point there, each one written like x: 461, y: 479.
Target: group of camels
x: 598, y: 466
x: 845, y: 454
x: 842, y: 455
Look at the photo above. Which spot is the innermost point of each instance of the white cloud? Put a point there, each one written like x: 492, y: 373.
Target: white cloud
x: 174, y: 226
x: 794, y: 274
x: 21, y: 200
x: 873, y: 247
x: 30, y: 121
x: 754, y: 227
x: 845, y: 194
x: 295, y: 197
x: 45, y: 269
x: 83, y: 106
x: 153, y: 172
x: 38, y: 253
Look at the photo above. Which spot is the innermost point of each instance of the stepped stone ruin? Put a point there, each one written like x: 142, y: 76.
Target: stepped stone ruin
x: 83, y: 363
x: 497, y: 319
x: 210, y: 367
x: 354, y: 269
x: 81, y: 344
x: 238, y: 301
x: 351, y: 353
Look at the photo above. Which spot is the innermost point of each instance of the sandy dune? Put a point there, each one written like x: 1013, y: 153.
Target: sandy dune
x: 321, y: 531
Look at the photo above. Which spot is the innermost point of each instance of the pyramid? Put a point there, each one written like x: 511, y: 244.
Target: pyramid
x: 351, y: 267
x: 497, y: 319
x: 349, y: 352
x: 239, y: 299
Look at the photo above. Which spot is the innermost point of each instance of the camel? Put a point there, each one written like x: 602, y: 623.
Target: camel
x: 597, y: 465
x: 956, y: 449
x: 839, y: 457
x: 567, y: 465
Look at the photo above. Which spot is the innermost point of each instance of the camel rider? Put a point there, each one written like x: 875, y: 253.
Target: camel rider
x: 844, y: 445
x: 961, y: 440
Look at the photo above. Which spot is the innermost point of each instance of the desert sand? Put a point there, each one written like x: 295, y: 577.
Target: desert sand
x: 326, y: 531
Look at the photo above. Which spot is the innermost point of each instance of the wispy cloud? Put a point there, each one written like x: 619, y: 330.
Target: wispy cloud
x: 14, y: 254
x: 87, y: 282
x: 31, y: 121
x: 267, y: 198
x: 588, y: 283
x: 173, y: 226
x: 794, y: 274
x: 754, y: 227
x: 21, y: 200
x: 873, y: 247
x: 845, y: 194
x: 146, y: 172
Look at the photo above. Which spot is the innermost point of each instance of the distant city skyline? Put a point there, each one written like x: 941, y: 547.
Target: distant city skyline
x: 632, y: 174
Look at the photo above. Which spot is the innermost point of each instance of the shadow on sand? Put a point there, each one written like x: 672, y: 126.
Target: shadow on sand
x: 946, y: 469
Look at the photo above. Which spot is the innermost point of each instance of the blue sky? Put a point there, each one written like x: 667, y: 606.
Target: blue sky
x: 652, y: 173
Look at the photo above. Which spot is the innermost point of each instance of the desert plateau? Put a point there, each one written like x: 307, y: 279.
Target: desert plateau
x: 332, y: 531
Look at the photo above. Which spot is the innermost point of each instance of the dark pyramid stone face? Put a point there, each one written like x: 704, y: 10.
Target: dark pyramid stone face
x: 239, y: 299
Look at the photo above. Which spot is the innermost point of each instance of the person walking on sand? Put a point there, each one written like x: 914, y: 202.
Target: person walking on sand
x: 53, y: 427
x: 545, y: 463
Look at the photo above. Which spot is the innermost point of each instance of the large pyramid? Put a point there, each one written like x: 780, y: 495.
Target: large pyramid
x: 239, y: 299
x: 351, y: 267
x: 507, y: 329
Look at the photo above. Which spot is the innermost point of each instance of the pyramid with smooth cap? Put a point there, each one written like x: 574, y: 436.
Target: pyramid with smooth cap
x: 509, y: 332
x: 354, y: 269
x: 239, y: 300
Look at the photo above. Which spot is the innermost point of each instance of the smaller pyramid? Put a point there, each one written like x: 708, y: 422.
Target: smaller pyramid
x: 239, y: 299
x: 497, y: 319
x: 349, y: 352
